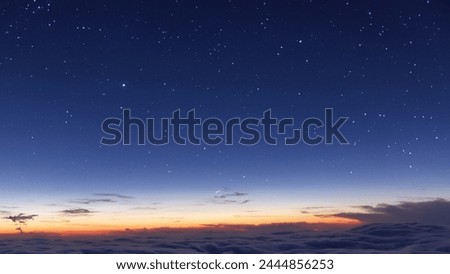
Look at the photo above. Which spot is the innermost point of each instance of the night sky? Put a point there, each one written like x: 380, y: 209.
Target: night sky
x: 65, y: 66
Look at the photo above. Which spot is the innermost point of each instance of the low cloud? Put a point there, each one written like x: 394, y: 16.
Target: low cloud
x: 233, y: 194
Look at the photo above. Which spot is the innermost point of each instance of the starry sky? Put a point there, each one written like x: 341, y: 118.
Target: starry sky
x: 67, y: 66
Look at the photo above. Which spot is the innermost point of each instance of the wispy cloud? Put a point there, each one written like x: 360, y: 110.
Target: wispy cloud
x: 286, y: 238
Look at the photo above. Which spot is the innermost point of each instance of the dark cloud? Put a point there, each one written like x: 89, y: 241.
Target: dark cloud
x: 9, y: 207
x: 427, y: 212
x: 171, y: 218
x: 113, y: 195
x: 21, y: 218
x: 77, y: 211
x: 227, y: 201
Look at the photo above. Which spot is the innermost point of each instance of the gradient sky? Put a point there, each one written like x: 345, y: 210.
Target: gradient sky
x: 66, y: 66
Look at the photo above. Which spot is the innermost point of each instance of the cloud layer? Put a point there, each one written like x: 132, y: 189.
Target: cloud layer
x: 77, y: 211
x: 407, y: 227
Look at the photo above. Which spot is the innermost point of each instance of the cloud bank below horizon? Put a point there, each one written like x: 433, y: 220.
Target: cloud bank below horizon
x: 426, y: 212
x: 285, y: 239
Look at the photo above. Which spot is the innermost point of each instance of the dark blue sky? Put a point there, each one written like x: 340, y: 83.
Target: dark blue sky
x: 66, y: 66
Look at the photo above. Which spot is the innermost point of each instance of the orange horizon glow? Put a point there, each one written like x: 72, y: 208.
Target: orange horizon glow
x: 100, y: 228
